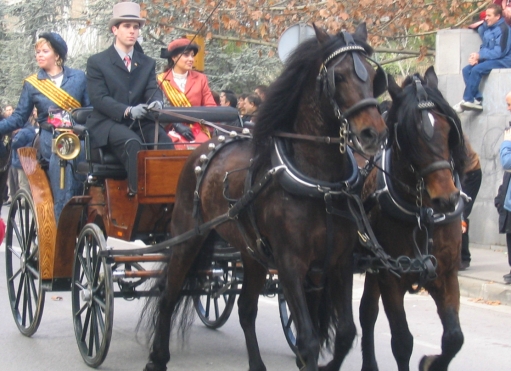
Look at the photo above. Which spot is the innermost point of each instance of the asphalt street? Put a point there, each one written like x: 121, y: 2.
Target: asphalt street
x: 486, y: 328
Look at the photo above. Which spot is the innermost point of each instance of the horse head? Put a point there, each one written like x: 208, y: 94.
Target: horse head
x: 348, y: 86
x: 328, y: 88
x: 427, y: 140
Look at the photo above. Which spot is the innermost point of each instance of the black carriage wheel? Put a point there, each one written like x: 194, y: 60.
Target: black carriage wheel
x: 24, y: 284
x: 286, y: 319
x: 215, y: 307
x: 92, y: 296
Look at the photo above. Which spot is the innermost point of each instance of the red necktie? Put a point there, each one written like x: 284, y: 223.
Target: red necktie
x: 127, y: 61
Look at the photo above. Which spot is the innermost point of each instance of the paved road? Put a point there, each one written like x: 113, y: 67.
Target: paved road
x: 53, y: 347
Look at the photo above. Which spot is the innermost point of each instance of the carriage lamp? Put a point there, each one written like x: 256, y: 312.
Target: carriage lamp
x: 67, y: 146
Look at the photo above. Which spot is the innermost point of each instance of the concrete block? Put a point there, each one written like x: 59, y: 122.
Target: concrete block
x: 453, y: 48
x: 451, y: 87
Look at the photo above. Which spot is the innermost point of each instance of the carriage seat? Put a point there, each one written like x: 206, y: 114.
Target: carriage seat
x: 100, y: 162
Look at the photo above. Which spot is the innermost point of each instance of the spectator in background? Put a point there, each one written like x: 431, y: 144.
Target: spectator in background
x: 260, y: 91
x: 8, y: 110
x: 495, y: 52
x: 230, y: 100
x: 241, y: 103
x: 252, y: 103
x: 470, y: 185
x: 503, y: 199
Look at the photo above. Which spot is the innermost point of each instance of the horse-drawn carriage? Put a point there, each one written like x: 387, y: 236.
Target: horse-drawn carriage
x: 43, y: 257
x: 286, y: 199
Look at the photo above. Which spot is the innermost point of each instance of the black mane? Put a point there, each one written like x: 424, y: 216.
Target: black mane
x: 284, y: 95
x: 407, y: 114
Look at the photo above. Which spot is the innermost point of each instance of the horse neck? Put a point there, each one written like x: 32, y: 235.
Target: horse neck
x: 319, y: 161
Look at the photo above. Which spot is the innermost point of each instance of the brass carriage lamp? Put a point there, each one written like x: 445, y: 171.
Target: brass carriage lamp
x: 67, y: 146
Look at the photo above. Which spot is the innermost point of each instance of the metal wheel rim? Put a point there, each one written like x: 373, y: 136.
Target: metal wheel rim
x: 24, y: 284
x: 215, y: 311
x: 92, y: 297
x: 286, y: 319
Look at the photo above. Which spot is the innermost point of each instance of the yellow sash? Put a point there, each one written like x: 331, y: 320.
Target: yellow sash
x: 57, y: 95
x: 177, y: 98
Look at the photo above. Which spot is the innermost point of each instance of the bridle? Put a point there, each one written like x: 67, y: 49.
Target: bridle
x: 326, y: 84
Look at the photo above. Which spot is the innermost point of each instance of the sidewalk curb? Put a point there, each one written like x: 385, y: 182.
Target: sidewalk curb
x: 485, y: 290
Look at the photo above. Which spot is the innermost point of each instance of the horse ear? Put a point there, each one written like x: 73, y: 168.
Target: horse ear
x: 361, y: 31
x: 321, y: 35
x: 394, y: 88
x: 431, y: 78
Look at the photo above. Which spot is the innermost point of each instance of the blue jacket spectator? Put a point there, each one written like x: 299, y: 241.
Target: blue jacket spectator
x: 495, y: 52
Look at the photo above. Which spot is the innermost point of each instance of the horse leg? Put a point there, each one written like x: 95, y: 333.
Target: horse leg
x: 178, y: 266
x: 368, y: 313
x: 307, y: 341
x: 446, y: 293
x: 392, y: 295
x: 341, y: 295
x: 254, y: 277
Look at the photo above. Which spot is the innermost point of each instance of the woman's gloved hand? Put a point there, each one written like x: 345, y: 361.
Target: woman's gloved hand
x: 185, y: 131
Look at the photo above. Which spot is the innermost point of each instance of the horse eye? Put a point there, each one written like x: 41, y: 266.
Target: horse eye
x: 339, y: 78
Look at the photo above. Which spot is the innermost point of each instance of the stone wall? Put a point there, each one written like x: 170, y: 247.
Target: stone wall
x: 484, y: 129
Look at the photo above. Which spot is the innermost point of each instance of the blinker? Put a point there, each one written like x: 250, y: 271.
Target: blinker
x: 424, y: 106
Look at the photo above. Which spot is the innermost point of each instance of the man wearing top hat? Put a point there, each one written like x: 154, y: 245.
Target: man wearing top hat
x: 122, y: 87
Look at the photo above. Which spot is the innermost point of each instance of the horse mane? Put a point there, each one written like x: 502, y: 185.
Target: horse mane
x: 284, y: 95
x: 407, y: 114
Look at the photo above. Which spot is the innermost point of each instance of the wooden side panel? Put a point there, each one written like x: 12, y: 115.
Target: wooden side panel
x: 67, y: 233
x: 122, y: 210
x: 43, y: 200
x: 158, y: 174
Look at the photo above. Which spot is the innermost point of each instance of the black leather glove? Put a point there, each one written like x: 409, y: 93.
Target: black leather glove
x: 185, y: 131
x: 138, y: 112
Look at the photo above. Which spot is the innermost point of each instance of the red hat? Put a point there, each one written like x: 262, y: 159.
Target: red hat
x: 177, y: 47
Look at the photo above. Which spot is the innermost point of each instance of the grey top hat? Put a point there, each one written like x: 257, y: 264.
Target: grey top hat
x: 124, y: 12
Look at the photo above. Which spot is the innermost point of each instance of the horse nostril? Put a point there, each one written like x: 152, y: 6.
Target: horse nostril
x: 446, y: 205
x: 368, y: 135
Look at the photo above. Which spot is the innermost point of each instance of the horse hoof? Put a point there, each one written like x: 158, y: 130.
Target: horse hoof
x: 426, y: 362
x: 152, y: 367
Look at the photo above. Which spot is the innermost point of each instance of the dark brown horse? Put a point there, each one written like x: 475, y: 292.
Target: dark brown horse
x: 326, y: 89
x: 417, y: 214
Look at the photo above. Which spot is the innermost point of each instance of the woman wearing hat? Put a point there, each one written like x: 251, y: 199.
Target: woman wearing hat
x: 54, y: 88
x: 183, y: 86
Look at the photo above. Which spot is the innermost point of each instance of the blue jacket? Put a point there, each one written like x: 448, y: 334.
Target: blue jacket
x: 23, y: 138
x: 496, y: 41
x: 505, y: 160
x: 74, y: 83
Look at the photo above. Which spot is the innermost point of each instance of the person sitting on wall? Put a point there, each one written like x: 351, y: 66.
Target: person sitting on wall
x: 495, y: 52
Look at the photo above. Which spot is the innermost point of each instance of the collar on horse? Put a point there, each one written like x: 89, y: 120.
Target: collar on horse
x: 296, y: 183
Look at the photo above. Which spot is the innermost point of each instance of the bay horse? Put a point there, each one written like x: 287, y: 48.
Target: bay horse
x: 416, y: 213
x: 277, y: 200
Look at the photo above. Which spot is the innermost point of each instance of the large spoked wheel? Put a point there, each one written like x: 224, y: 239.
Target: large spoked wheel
x: 24, y: 284
x: 92, y: 296
x: 215, y: 306
x: 286, y: 319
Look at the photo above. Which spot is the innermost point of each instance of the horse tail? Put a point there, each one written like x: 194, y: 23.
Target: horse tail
x: 330, y: 313
x: 184, y: 312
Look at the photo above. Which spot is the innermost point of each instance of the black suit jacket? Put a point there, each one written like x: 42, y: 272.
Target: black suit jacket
x: 112, y: 88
